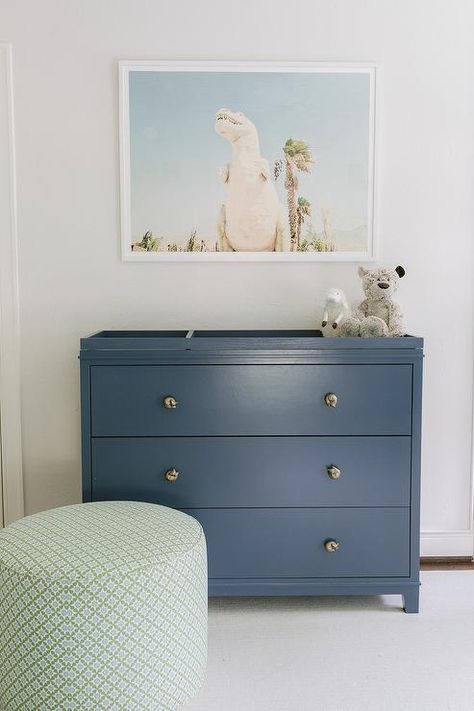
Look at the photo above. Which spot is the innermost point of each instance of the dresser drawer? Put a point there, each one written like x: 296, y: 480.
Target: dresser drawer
x: 250, y: 400
x: 289, y: 543
x: 254, y: 471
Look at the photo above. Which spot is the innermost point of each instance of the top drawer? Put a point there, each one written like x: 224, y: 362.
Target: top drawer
x: 127, y: 400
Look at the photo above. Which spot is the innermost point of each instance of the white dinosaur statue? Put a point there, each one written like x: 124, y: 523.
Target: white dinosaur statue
x: 253, y: 219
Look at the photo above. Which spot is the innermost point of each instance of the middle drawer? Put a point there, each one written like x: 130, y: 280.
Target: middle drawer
x: 253, y: 471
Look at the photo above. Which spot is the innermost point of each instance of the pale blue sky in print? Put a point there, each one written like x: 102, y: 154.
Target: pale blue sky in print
x: 176, y: 153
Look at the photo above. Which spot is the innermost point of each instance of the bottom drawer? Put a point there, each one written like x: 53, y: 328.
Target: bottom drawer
x: 289, y: 543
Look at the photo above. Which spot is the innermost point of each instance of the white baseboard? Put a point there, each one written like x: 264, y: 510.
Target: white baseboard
x: 447, y: 543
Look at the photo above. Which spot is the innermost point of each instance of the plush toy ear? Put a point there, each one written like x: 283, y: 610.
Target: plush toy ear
x: 362, y: 271
x: 400, y: 271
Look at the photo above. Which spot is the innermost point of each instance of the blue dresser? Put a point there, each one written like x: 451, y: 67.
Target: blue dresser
x: 300, y: 455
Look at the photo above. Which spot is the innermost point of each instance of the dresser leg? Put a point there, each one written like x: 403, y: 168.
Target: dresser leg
x: 411, y: 600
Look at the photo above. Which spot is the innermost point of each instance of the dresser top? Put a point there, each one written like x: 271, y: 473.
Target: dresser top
x: 300, y: 339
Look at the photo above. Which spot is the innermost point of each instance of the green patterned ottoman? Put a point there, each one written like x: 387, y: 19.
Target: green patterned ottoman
x: 103, y: 606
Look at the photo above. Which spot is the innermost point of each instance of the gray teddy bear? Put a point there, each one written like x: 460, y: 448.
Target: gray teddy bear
x: 378, y: 315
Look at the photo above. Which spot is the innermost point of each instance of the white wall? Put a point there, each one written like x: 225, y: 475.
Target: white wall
x: 72, y: 280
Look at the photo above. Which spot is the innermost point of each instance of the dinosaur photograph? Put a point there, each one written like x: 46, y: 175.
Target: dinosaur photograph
x: 275, y: 163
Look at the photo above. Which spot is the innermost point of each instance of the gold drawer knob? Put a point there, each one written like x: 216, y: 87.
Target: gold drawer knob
x: 170, y: 402
x: 330, y: 399
x: 171, y: 474
x: 333, y: 471
x: 331, y: 546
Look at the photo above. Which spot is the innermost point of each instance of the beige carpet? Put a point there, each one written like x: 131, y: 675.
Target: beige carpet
x: 344, y: 654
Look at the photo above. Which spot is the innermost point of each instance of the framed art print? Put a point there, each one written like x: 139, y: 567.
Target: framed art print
x: 247, y: 161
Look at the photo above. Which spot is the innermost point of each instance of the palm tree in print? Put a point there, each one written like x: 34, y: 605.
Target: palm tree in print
x: 298, y: 157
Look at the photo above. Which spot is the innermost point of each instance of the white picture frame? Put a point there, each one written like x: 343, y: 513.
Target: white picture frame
x: 126, y: 67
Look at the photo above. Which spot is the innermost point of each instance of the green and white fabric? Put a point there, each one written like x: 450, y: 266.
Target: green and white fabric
x: 103, y: 606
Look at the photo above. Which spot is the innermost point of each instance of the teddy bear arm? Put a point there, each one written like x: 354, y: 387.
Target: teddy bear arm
x: 397, y: 324
x: 362, y: 310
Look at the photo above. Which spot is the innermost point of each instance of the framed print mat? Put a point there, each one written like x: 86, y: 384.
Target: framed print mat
x: 247, y: 161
